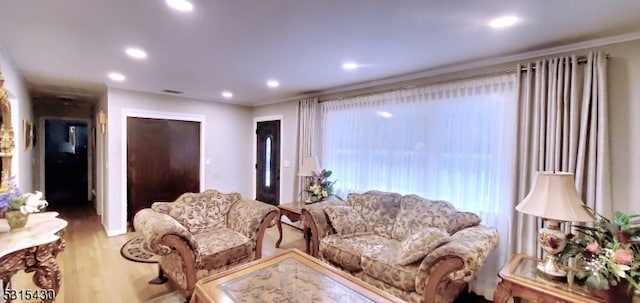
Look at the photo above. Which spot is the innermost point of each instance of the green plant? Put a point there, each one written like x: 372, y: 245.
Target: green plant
x: 606, y: 252
x: 320, y: 188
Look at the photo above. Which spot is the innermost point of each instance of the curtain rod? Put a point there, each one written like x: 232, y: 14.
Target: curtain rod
x: 581, y: 60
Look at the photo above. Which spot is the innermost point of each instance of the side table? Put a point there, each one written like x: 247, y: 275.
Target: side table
x: 34, y: 248
x: 520, y: 280
x: 293, y: 211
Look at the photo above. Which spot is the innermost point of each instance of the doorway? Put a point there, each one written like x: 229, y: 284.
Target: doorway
x: 66, y: 166
x: 163, y: 161
x: 268, y: 161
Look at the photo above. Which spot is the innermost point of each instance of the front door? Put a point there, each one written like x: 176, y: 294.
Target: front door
x: 268, y: 162
x: 163, y: 161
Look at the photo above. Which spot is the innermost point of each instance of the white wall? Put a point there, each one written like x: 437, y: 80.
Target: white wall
x: 20, y: 110
x: 226, y: 146
x: 288, y: 146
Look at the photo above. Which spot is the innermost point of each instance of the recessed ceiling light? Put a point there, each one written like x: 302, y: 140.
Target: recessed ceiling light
x: 273, y: 83
x: 350, y: 65
x: 136, y: 53
x: 181, y: 5
x: 116, y: 76
x: 227, y: 94
x: 384, y: 114
x: 503, y: 21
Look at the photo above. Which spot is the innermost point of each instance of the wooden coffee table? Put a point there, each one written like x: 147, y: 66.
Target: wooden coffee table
x: 292, y: 276
x: 293, y: 211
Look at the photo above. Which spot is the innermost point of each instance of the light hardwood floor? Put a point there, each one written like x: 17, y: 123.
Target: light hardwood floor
x: 94, y: 272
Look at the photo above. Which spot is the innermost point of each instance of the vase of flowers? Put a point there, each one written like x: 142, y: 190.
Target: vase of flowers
x: 17, y: 207
x: 320, y: 188
x: 607, y: 256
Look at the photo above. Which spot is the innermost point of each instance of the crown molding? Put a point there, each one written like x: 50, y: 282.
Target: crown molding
x: 466, y: 66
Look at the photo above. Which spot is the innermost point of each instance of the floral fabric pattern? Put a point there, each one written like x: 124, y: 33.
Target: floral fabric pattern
x: 347, y: 251
x: 246, y: 215
x: 420, y: 244
x: 201, y: 211
x: 345, y: 219
x: 154, y: 225
x: 473, y: 245
x: 419, y: 232
x: 220, y: 246
x: 380, y: 261
x: 462, y: 220
x: 378, y: 208
x: 320, y: 219
x: 221, y: 231
x: 417, y: 213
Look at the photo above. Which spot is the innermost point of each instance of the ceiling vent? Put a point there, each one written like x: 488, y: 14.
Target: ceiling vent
x: 172, y: 91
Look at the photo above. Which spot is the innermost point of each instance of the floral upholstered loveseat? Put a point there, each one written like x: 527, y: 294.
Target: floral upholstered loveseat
x: 414, y: 248
x: 200, y: 234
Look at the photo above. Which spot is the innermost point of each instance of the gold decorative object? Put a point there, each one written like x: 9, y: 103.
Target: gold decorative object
x: 6, y: 136
x: 16, y: 219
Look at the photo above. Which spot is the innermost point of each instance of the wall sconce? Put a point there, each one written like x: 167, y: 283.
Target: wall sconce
x: 102, y: 120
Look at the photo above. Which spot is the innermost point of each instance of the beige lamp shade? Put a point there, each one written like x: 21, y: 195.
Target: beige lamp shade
x: 310, y: 164
x: 554, y: 196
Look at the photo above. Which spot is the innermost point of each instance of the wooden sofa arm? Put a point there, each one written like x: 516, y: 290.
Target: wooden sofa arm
x: 252, y: 218
x: 459, y: 261
x: 314, y: 218
x: 153, y: 226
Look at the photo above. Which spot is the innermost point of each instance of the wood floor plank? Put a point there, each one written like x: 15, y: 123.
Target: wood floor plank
x: 93, y: 271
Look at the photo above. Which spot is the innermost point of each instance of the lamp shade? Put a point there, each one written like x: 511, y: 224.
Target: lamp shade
x: 309, y: 165
x: 554, y: 196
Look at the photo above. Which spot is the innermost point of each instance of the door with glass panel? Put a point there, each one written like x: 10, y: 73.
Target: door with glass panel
x: 268, y: 162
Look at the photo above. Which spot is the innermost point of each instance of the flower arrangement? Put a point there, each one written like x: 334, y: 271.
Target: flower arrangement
x: 12, y: 200
x: 606, y: 253
x: 320, y: 188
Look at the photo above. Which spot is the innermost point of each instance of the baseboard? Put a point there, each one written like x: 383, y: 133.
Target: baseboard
x: 113, y: 233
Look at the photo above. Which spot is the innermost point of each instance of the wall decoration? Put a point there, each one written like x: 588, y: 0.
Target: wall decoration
x: 28, y: 133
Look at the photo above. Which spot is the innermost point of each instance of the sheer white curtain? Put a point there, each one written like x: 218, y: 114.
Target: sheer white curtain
x: 453, y: 141
x: 563, y: 127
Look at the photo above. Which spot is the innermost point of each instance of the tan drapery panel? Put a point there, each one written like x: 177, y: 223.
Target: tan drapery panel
x: 307, y: 113
x: 563, y: 127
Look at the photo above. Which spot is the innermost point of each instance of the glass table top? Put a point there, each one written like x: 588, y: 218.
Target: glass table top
x: 289, y: 281
x: 527, y: 269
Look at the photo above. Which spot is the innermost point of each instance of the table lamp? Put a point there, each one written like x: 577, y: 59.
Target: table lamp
x: 554, y: 198
x: 310, y: 165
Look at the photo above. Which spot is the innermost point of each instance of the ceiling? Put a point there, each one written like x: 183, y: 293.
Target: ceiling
x: 65, y: 48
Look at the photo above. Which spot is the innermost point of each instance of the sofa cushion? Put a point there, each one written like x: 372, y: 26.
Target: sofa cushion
x: 345, y: 219
x: 462, y: 220
x: 346, y: 250
x: 221, y: 246
x: 199, y: 211
x: 377, y: 208
x: 379, y: 262
x: 420, y: 244
x: 417, y: 213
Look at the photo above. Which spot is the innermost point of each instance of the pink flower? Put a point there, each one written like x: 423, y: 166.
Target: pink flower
x: 623, y: 256
x: 593, y: 247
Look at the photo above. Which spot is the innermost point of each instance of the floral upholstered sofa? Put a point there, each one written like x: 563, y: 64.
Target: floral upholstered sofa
x: 416, y: 249
x: 200, y: 234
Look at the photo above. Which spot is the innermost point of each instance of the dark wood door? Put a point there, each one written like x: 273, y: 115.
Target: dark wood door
x: 268, y: 162
x: 163, y: 161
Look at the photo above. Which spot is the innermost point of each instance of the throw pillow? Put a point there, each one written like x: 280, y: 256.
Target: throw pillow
x: 420, y: 244
x: 345, y: 219
x: 462, y: 220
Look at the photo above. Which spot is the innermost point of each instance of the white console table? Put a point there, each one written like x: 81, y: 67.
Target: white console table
x: 34, y: 248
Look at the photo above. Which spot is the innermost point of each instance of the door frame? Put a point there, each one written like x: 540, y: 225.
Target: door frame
x: 255, y: 147
x: 138, y: 113
x: 41, y: 142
